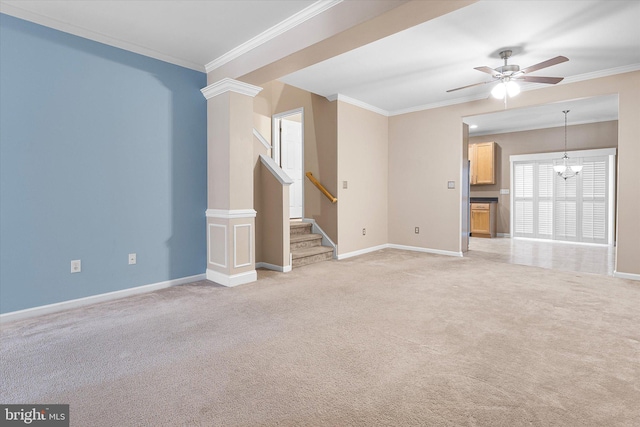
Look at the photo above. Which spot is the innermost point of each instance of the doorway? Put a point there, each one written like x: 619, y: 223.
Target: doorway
x: 537, y: 133
x: 288, y: 153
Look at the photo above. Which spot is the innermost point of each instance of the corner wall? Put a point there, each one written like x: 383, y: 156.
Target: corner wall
x: 363, y: 163
x: 102, y: 153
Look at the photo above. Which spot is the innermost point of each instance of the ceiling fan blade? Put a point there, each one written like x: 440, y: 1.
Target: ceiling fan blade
x: 475, y: 84
x: 488, y: 71
x: 545, y: 64
x: 536, y: 79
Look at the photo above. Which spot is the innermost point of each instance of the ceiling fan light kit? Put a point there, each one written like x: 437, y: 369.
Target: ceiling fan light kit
x: 507, y: 75
x: 507, y: 87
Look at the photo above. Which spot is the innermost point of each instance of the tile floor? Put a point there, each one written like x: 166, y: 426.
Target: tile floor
x: 554, y: 255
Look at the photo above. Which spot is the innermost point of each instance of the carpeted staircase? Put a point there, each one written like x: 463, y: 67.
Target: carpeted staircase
x: 306, y: 247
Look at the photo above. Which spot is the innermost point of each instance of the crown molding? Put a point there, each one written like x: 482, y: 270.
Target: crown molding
x: 586, y: 76
x: 85, y: 33
x: 357, y: 103
x: 230, y: 85
x: 438, y: 104
x: 602, y: 73
x: 573, y: 79
x: 273, y: 32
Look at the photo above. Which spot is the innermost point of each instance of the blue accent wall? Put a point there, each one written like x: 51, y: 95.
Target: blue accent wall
x: 102, y: 154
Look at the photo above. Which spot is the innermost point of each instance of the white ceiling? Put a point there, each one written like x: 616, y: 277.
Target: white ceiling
x: 190, y: 33
x: 407, y: 71
x: 581, y: 111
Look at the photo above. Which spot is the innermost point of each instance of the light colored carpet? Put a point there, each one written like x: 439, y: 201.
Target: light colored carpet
x: 390, y: 338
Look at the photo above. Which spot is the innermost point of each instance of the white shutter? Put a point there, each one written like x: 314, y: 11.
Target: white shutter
x: 524, y: 180
x: 548, y: 207
x: 524, y: 218
x: 523, y: 200
x: 594, y: 200
x: 545, y: 200
x: 565, y: 220
x: 545, y: 219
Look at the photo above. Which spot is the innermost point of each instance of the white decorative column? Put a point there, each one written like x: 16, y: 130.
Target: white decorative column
x: 230, y: 213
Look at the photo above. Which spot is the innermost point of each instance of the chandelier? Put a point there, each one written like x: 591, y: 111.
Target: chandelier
x: 565, y: 170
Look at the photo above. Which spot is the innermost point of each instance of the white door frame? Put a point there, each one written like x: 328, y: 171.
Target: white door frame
x: 275, y: 138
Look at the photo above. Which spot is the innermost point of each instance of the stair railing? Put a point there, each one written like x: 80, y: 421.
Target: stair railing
x: 321, y: 187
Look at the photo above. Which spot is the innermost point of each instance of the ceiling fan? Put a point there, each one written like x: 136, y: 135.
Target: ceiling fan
x: 508, y: 74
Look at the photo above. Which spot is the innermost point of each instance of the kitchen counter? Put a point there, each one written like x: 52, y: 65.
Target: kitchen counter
x: 483, y: 200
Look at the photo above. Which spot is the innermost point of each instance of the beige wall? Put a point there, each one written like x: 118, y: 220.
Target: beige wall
x: 218, y: 152
x: 320, y: 145
x: 426, y: 150
x: 230, y: 143
x: 363, y: 163
x: 579, y: 137
x: 274, y: 222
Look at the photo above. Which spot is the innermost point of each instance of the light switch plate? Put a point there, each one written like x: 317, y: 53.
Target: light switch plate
x: 451, y: 185
x: 504, y: 191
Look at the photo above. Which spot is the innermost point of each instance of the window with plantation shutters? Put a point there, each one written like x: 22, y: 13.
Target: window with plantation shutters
x: 594, y: 200
x: 577, y: 209
x: 565, y: 202
x: 523, y: 194
x: 545, y: 200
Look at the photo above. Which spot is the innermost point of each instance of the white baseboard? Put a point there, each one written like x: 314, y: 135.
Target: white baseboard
x: 629, y: 276
x: 93, y: 299
x: 233, y: 279
x: 362, y: 251
x: 401, y: 247
x: 282, y: 269
x: 425, y: 250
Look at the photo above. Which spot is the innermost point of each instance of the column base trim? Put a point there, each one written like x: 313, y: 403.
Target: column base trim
x: 229, y: 214
x: 233, y: 279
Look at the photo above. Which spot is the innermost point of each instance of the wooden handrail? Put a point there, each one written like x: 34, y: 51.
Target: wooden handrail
x: 321, y: 187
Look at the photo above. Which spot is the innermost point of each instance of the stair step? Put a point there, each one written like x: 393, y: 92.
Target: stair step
x: 301, y: 241
x: 297, y: 228
x: 311, y: 255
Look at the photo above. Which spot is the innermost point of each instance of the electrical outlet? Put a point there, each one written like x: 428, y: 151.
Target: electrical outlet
x: 451, y: 185
x: 417, y: 230
x: 76, y: 266
x: 504, y: 191
x: 345, y: 185
x: 132, y: 259
x: 364, y: 231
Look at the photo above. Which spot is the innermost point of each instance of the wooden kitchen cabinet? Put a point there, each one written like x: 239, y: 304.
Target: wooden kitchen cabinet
x: 483, y: 219
x: 482, y: 162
